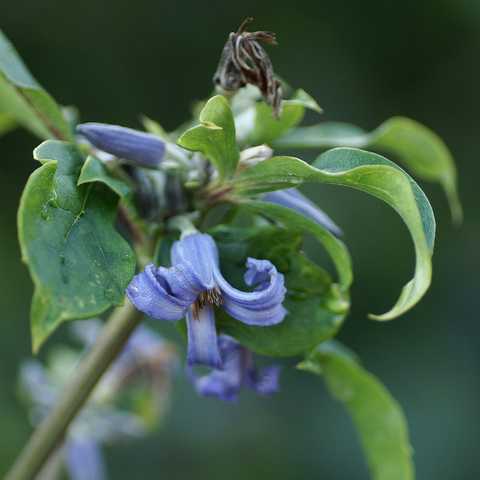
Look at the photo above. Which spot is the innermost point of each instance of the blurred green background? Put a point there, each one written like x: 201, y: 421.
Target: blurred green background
x: 364, y: 61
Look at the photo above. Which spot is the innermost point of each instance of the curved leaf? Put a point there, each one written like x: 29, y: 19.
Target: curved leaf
x: 295, y: 221
x: 372, y: 174
x: 93, y: 170
x: 316, y: 307
x: 78, y: 261
x: 25, y: 100
x: 215, y: 137
x: 7, y: 123
x: 415, y: 145
x: 378, y: 418
x: 267, y: 128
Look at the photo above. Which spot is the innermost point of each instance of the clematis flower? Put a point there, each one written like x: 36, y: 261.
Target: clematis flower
x: 194, y: 285
x: 104, y: 419
x: 238, y: 370
x: 292, y: 198
x: 84, y: 459
x: 145, y: 352
x: 142, y: 149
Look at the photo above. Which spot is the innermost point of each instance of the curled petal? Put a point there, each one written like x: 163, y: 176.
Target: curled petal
x: 84, y: 460
x: 150, y: 292
x: 292, y: 198
x: 197, y: 255
x: 226, y: 383
x: 264, y: 381
x: 143, y: 149
x: 261, y: 307
x: 238, y: 370
x: 202, y: 338
x: 258, y: 273
x: 258, y: 317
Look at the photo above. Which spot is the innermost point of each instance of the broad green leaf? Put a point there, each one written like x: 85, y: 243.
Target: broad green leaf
x: 378, y: 418
x: 93, y: 170
x: 372, y: 174
x: 295, y: 221
x: 316, y: 306
x: 414, y: 144
x: 79, y: 263
x: 7, y: 123
x: 215, y: 136
x: 267, y: 128
x: 25, y: 100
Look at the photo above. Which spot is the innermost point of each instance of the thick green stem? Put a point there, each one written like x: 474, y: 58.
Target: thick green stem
x: 50, y: 432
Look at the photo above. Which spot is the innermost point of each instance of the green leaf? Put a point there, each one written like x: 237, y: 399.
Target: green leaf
x: 7, y: 123
x: 295, y: 221
x: 414, y: 144
x: 378, y: 418
x: 93, y: 170
x: 372, y: 174
x: 79, y: 263
x: 25, y: 100
x: 215, y: 137
x: 267, y: 128
x: 316, y: 306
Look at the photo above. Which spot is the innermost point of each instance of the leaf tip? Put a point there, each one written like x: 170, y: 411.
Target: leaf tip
x: 380, y: 318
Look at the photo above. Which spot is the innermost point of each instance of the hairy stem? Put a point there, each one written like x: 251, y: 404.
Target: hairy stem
x: 50, y: 432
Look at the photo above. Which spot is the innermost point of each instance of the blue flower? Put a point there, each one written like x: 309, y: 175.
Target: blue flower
x: 145, y: 352
x: 84, y: 459
x: 194, y: 285
x: 143, y: 149
x: 238, y: 370
x: 292, y: 198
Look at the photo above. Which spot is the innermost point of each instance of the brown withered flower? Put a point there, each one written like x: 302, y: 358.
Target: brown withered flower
x: 244, y: 61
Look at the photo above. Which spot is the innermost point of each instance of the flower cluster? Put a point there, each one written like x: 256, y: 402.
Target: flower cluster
x: 193, y: 287
x: 238, y: 370
x: 101, y: 420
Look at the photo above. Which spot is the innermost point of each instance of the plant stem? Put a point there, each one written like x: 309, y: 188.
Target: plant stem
x: 50, y: 432
x: 54, y: 467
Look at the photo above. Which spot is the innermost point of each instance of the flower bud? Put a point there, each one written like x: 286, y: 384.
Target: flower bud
x: 140, y: 148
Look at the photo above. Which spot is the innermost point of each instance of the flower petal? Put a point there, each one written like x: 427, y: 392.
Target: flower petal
x: 197, y: 255
x: 84, y: 460
x: 202, y: 338
x: 150, y: 292
x: 259, y: 317
x: 224, y: 384
x: 265, y: 381
x: 37, y: 385
x: 144, y: 149
x: 261, y: 307
x: 292, y: 198
x: 182, y: 282
x: 258, y: 273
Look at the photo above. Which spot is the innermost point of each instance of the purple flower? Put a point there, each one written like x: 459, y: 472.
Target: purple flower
x: 194, y: 285
x: 292, y: 198
x: 145, y: 352
x: 84, y: 460
x: 238, y: 370
x: 143, y: 149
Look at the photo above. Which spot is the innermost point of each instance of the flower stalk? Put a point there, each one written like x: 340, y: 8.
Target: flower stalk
x: 50, y: 432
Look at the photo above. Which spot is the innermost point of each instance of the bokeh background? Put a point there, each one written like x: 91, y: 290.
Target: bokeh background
x: 364, y: 61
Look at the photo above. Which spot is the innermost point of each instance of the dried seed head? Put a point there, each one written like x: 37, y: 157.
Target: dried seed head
x: 244, y: 61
